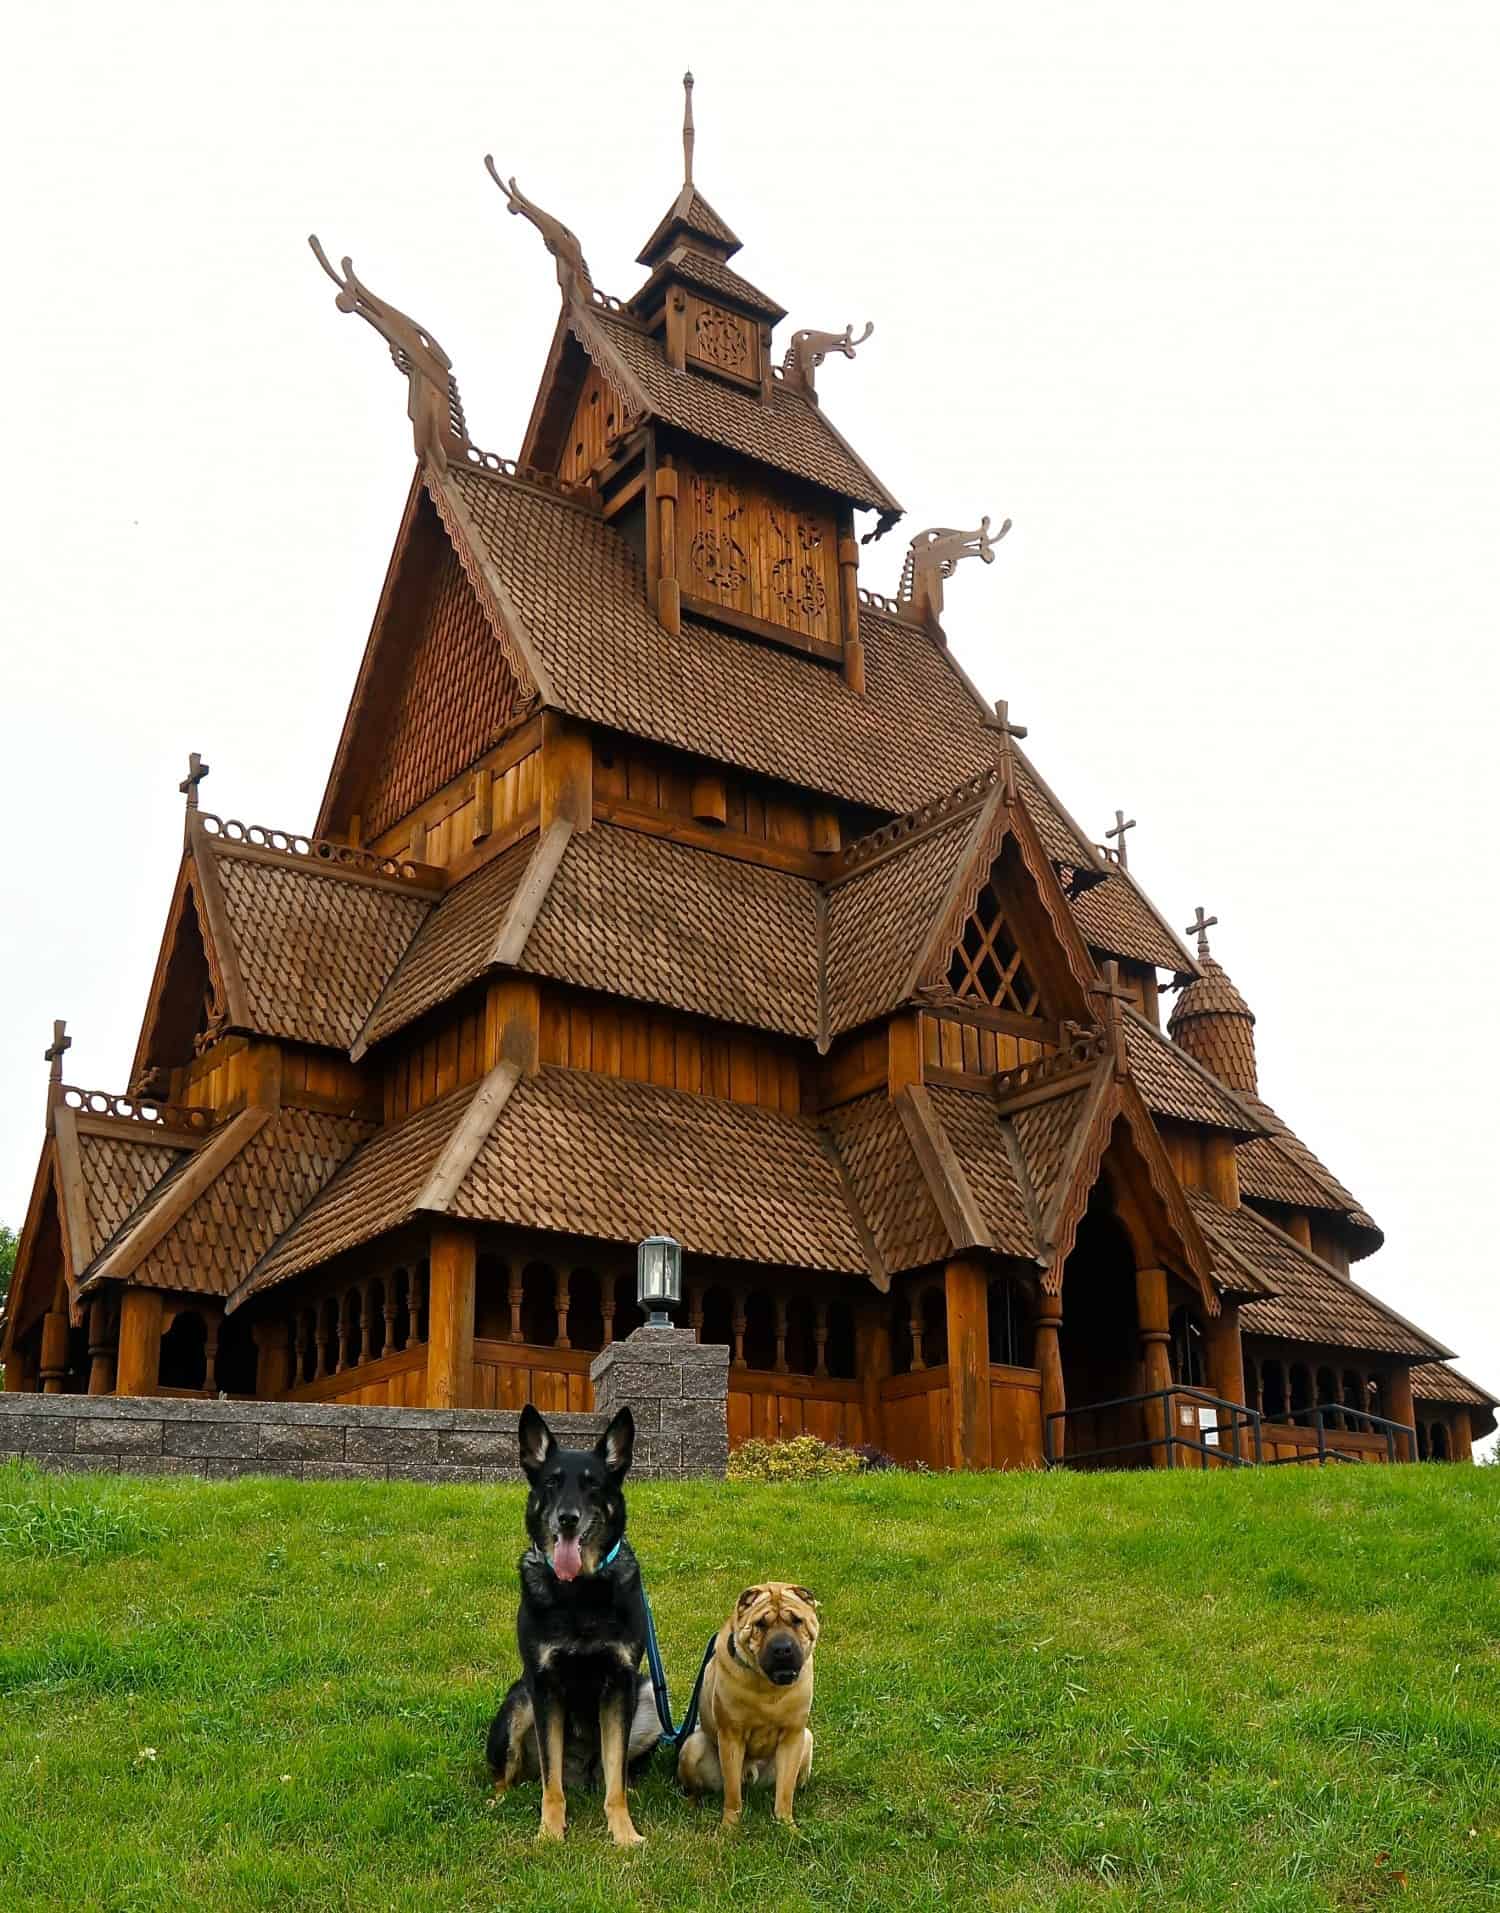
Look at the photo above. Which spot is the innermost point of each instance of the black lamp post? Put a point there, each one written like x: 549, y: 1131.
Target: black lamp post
x: 658, y: 1278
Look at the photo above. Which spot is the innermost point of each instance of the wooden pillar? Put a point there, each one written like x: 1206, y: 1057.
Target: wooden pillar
x: 138, y: 1364
x: 1461, y: 1431
x: 1299, y: 1227
x: 966, y: 1290
x: 54, y: 1350
x: 1049, y: 1320
x: 273, y: 1358
x: 101, y: 1348
x: 213, y: 1324
x: 1226, y: 1369
x: 1156, y: 1360
x: 738, y: 1324
x: 1221, y: 1173
x: 781, y: 1328
x: 668, y: 590
x: 1400, y: 1407
x: 567, y: 773
x: 903, y: 1051
x: 515, y: 1294
x: 452, y: 1262
x: 872, y: 1363
x: 820, y: 1339
x: 854, y: 649
x: 560, y: 1302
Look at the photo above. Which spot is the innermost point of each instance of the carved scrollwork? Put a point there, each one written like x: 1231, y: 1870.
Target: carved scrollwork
x: 722, y: 339
x: 101, y: 1102
x: 715, y: 554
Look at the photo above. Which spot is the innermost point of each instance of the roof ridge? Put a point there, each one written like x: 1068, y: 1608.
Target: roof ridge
x: 321, y: 856
x: 948, y: 807
x: 508, y: 471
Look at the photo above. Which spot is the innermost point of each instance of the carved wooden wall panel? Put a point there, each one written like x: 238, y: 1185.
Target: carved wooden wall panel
x: 722, y: 341
x: 758, y: 557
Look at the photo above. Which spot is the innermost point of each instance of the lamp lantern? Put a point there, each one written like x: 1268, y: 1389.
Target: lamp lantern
x: 658, y: 1277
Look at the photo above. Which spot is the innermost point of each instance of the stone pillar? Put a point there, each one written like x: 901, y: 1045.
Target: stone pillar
x: 101, y: 1348
x: 54, y: 1351
x: 451, y: 1264
x: 1156, y: 1359
x: 1049, y: 1320
x: 677, y: 1389
x: 1226, y: 1369
x: 966, y: 1294
x: 1400, y: 1407
x: 138, y: 1364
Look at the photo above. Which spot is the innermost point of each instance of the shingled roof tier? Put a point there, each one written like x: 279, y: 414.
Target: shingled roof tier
x: 1174, y: 1085
x: 1280, y: 1168
x: 701, y: 269
x: 1312, y: 1303
x: 782, y: 430
x: 691, y: 213
x: 579, y: 592
x: 1437, y: 1382
x: 119, y: 1172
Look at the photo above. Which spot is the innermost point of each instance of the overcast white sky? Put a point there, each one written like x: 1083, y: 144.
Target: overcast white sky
x: 1205, y: 298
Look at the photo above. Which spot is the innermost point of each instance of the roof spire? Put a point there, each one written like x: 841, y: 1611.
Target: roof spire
x: 1201, y: 923
x: 687, y: 129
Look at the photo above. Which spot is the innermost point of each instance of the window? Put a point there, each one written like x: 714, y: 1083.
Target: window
x: 986, y: 965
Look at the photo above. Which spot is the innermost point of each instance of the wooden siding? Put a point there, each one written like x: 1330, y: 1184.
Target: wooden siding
x: 444, y: 1058
x: 764, y: 1406
x: 391, y: 1381
x: 448, y: 829
x: 510, y: 1374
x: 963, y: 1049
x: 916, y: 1415
x: 614, y: 1038
x: 597, y: 422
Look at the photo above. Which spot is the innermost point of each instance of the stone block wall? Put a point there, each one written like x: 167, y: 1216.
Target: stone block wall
x: 675, y: 1390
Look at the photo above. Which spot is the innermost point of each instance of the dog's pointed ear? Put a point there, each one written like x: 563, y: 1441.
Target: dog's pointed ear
x: 748, y: 1599
x: 537, y: 1443
x: 616, y: 1446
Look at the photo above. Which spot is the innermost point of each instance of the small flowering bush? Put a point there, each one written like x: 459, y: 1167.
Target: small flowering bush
x: 804, y: 1458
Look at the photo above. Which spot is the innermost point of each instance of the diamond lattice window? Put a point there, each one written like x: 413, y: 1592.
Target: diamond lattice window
x: 986, y: 966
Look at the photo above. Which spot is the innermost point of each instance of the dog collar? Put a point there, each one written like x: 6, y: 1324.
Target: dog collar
x: 602, y: 1565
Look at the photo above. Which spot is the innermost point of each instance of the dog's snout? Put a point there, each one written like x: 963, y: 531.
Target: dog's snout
x: 569, y: 1520
x: 782, y: 1658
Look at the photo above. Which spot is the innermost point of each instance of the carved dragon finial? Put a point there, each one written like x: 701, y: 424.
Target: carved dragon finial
x: 432, y: 404
x: 935, y: 554
x: 808, y: 350
x: 561, y: 241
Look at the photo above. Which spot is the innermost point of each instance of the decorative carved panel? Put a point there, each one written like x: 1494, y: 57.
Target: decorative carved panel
x: 763, y: 557
x: 723, y: 341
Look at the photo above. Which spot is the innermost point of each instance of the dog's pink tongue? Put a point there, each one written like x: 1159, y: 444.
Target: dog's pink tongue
x: 567, y: 1560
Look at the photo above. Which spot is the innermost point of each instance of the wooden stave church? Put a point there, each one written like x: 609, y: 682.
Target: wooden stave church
x: 409, y: 1089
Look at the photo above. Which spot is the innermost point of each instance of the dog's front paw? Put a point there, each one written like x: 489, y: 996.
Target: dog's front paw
x: 553, y: 1827
x: 625, y: 1835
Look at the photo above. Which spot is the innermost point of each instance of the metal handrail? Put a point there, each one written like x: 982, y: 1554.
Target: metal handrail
x: 1324, y: 1453
x: 1239, y: 1415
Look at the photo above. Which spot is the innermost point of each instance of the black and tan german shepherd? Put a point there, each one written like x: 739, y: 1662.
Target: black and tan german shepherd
x: 582, y: 1710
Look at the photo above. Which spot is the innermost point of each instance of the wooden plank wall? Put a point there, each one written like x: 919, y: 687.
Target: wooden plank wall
x: 443, y: 1060
x: 973, y: 1052
x: 916, y: 1411
x: 1016, y: 1416
x: 442, y: 831
x: 634, y: 777
x: 393, y: 1381
x: 768, y: 1407
x: 771, y: 556
x: 510, y: 1374
x: 620, y: 1039
x: 596, y: 424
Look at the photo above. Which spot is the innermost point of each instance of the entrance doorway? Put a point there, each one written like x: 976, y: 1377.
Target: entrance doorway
x: 1100, y: 1341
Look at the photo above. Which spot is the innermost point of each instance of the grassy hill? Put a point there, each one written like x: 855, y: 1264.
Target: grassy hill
x: 1275, y: 1690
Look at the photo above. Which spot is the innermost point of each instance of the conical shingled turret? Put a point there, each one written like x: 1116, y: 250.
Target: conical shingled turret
x: 1213, y: 1022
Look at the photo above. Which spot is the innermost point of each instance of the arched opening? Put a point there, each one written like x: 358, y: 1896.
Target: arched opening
x: 839, y: 1352
x: 629, y: 1315
x: 1100, y: 1340
x: 237, y: 1357
x: 538, y: 1305
x: 1302, y: 1393
x: 353, y: 1329
x: 1328, y: 1393
x: 585, y: 1310
x: 401, y: 1288
x: 1273, y: 1390
x: 1010, y: 1323
x: 491, y: 1299
x: 934, y: 1326
x: 1424, y: 1443
x: 184, y: 1358
x: 1438, y: 1442
x: 718, y: 1317
x: 1354, y: 1396
x: 760, y: 1331
x: 801, y: 1336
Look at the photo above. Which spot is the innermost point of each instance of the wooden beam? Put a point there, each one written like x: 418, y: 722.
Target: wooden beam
x: 1400, y: 1407
x: 531, y: 892
x: 904, y: 1064
x: 468, y: 1138
x: 513, y: 1023
x: 451, y: 1264
x: 1155, y: 1333
x: 138, y: 1365
x: 1049, y: 1321
x: 966, y: 1292
x: 872, y: 1363
x: 942, y: 1171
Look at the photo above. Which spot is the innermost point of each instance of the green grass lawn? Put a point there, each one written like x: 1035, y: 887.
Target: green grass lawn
x: 1279, y: 1689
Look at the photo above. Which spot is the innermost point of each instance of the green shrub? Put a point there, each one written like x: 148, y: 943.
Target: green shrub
x: 804, y: 1458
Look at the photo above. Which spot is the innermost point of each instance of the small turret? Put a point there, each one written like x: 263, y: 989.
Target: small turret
x: 1213, y: 1022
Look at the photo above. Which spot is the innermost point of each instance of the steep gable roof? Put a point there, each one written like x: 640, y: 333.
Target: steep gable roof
x: 1174, y: 1085
x: 1280, y: 1168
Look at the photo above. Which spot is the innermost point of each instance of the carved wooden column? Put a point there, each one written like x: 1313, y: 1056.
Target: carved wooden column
x: 781, y: 1326
x: 212, y: 1326
x: 54, y: 1350
x: 854, y: 648
x: 1463, y: 1434
x: 102, y: 1332
x: 820, y: 1340
x: 668, y: 590
x: 1156, y: 1359
x: 695, y: 1310
x: 138, y: 1363
x: 872, y: 1363
x: 273, y: 1359
x: 738, y: 1324
x: 1049, y: 1321
x: 560, y: 1300
x: 515, y: 1294
x: 388, y: 1311
x: 607, y: 1305
x: 1226, y: 1369
x: 320, y: 1340
x: 367, y: 1321
x: 452, y: 1264
x: 966, y: 1294
x: 1400, y: 1407
x: 914, y: 1326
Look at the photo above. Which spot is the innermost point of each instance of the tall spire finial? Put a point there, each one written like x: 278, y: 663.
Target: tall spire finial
x: 687, y: 129
x: 1202, y: 924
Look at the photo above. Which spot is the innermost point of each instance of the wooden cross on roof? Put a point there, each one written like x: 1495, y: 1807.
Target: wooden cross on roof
x: 1111, y: 994
x: 59, y: 1046
x: 1121, y: 826
x: 197, y: 771
x: 1005, y: 754
x: 1202, y: 924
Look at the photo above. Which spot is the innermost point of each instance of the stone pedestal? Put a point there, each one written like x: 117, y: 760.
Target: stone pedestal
x: 677, y: 1389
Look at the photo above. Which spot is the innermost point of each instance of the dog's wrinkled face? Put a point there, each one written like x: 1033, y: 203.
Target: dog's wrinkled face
x: 575, y: 1512
x: 775, y: 1629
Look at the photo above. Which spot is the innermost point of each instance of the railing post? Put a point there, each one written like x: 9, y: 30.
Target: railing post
x: 1322, y: 1440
